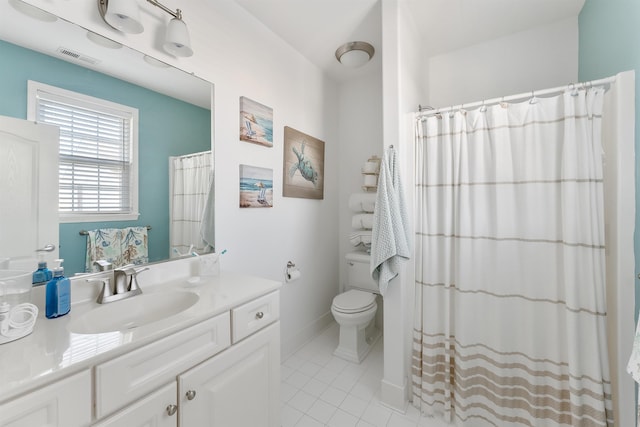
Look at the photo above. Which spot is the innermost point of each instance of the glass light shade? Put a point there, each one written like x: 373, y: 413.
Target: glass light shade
x: 354, y: 58
x: 177, y: 41
x: 124, y: 15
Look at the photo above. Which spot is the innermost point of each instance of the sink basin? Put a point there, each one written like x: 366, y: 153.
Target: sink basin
x: 132, y: 312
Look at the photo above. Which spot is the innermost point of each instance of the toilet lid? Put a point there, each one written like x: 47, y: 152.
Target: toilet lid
x: 354, y: 301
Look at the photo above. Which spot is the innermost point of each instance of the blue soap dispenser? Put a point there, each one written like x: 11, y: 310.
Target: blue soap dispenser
x: 42, y: 275
x: 58, y: 293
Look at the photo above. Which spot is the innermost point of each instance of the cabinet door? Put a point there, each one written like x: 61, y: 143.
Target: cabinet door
x: 240, y: 387
x: 152, y: 410
x: 66, y: 403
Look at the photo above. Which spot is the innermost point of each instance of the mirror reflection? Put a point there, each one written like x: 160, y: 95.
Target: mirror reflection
x: 174, y: 135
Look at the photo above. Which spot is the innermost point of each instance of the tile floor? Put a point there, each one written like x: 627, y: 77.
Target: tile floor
x: 319, y: 389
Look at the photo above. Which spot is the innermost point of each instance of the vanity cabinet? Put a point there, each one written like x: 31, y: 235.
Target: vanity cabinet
x: 214, y: 380
x: 66, y: 403
x: 237, y: 388
x: 158, y: 409
x: 219, y: 369
x: 134, y: 375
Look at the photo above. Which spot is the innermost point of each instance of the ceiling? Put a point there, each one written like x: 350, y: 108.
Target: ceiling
x: 316, y: 28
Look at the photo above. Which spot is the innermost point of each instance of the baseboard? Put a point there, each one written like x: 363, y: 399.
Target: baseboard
x: 307, y: 334
x: 394, y: 396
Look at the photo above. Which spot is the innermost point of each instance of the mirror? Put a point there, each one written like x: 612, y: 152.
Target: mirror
x: 174, y: 111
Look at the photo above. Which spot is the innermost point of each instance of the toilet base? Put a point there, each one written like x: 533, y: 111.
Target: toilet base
x: 365, y: 339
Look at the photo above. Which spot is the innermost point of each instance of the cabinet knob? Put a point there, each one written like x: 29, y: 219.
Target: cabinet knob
x: 172, y: 409
x: 259, y: 315
x: 191, y: 394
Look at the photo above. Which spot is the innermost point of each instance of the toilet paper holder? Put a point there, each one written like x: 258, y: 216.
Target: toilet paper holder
x: 291, y: 273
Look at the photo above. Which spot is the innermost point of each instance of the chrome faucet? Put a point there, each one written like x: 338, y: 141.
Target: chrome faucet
x: 126, y: 285
x: 103, y: 265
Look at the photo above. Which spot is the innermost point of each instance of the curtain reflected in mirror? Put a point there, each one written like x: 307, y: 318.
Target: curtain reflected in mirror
x: 191, y: 199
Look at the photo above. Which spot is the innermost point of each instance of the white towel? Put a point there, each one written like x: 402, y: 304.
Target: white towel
x: 390, y: 241
x: 360, y: 238
x: 362, y: 202
x: 365, y: 221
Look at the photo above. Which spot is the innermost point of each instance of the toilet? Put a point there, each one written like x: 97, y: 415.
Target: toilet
x: 355, y: 310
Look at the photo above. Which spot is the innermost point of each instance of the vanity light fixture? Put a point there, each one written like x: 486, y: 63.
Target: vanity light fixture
x: 124, y: 15
x: 355, y: 54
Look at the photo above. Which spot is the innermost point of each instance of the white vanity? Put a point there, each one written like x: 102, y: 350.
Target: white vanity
x: 215, y: 363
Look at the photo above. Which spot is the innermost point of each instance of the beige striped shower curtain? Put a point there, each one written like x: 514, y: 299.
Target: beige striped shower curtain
x: 510, y: 265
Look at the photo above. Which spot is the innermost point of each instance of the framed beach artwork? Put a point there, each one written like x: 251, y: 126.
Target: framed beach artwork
x: 256, y: 122
x: 256, y: 187
x: 303, y: 172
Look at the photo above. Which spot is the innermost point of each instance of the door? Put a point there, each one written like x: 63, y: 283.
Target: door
x: 156, y: 409
x: 66, y: 403
x: 238, y: 388
x: 29, y: 192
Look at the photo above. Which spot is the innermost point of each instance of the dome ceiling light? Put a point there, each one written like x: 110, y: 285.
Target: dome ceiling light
x: 354, y: 54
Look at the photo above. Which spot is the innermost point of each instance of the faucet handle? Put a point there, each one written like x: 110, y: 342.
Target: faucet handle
x: 133, y: 284
x: 106, y: 288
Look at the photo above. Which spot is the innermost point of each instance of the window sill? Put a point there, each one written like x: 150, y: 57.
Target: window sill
x: 98, y: 217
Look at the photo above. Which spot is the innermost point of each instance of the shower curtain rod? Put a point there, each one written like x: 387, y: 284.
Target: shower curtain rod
x: 186, y: 156
x: 424, y: 111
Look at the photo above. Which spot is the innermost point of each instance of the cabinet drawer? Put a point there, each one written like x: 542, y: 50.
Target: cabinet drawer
x: 135, y: 374
x: 255, y: 315
x: 66, y: 403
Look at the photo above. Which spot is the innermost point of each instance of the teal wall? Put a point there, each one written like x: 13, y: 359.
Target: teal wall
x: 168, y: 127
x: 609, y: 44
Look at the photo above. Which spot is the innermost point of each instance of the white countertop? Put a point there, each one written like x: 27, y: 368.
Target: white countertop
x: 52, y: 352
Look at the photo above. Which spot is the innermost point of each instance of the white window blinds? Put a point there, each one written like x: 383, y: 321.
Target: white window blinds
x: 96, y: 153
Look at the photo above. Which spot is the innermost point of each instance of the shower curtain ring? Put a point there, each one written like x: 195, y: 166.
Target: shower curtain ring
x: 533, y: 99
x: 574, y: 89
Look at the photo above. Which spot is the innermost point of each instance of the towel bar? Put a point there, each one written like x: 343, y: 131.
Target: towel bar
x: 86, y: 233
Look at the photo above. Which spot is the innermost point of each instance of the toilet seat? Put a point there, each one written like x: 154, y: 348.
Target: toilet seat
x: 354, y: 301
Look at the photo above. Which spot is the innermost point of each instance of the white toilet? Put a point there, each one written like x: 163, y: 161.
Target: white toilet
x: 355, y: 310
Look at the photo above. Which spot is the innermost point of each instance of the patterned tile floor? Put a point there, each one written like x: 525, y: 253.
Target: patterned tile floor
x: 319, y: 389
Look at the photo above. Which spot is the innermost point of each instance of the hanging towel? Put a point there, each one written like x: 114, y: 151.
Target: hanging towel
x: 364, y: 221
x: 390, y: 240
x: 134, y: 246
x: 119, y: 246
x: 362, y: 202
x: 633, y: 366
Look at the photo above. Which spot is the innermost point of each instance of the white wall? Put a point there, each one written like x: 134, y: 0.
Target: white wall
x: 243, y: 58
x: 539, y: 58
x: 360, y: 136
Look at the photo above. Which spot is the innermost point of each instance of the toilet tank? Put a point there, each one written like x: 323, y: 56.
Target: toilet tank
x: 358, y: 274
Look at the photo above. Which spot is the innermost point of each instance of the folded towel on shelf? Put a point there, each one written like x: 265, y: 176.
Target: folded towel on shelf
x: 362, y: 202
x: 362, y: 221
x: 360, y: 238
x: 390, y: 241
x: 119, y: 246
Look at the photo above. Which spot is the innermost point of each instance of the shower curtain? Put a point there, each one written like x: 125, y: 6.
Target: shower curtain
x: 191, y: 179
x: 510, y: 265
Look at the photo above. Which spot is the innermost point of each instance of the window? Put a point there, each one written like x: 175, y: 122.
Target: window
x: 98, y: 153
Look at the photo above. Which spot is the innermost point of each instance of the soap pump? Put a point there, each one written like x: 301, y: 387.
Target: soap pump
x: 58, y: 293
x: 42, y: 275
